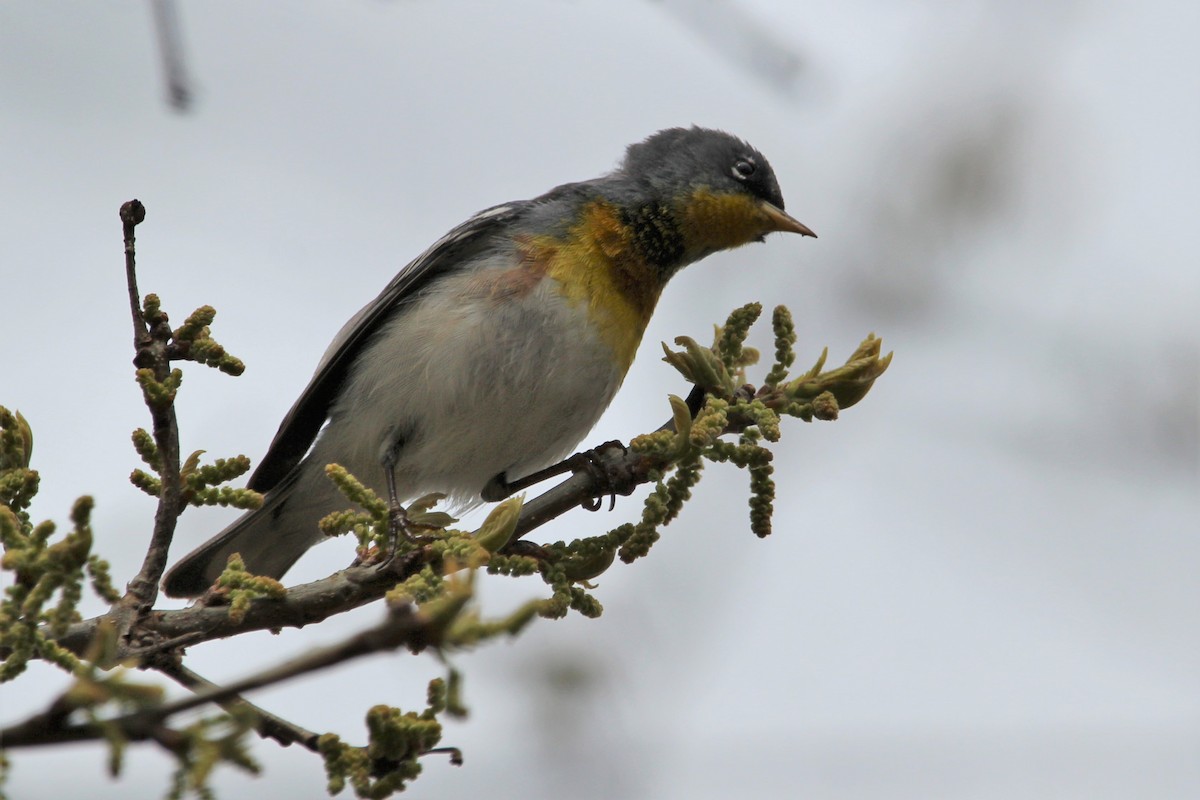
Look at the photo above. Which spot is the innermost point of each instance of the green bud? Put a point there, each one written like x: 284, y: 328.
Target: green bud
x: 825, y: 406
x: 25, y: 436
x: 586, y: 567
x: 498, y: 528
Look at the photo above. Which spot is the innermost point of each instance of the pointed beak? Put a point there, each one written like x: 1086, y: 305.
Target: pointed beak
x: 783, y: 222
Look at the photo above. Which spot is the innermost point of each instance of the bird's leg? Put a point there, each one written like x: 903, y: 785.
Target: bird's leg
x: 399, y: 524
x: 397, y: 516
x: 499, y: 487
x: 589, y: 461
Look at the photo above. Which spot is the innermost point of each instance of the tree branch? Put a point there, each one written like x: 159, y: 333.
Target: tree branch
x: 151, y: 337
x: 303, y: 605
x: 403, y: 627
x: 356, y: 585
x: 268, y: 725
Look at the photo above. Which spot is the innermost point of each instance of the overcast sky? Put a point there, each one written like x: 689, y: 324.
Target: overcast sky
x: 982, y: 581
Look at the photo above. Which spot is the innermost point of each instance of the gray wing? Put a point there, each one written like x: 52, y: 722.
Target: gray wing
x: 303, y: 422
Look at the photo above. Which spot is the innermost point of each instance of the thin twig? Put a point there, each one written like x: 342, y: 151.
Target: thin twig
x: 151, y: 340
x: 268, y: 726
x: 132, y: 215
x: 401, y: 627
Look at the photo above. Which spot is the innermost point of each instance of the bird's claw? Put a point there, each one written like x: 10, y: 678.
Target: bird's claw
x: 592, y: 462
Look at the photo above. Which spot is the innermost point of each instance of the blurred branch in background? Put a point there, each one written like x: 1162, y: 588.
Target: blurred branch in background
x: 720, y: 24
x: 740, y: 38
x: 170, y: 47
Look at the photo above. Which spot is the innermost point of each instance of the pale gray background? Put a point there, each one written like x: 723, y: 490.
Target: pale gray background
x: 982, y: 582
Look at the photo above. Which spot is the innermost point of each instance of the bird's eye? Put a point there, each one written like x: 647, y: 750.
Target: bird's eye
x: 744, y: 168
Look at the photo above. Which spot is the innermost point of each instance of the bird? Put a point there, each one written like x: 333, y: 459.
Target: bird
x: 493, y: 353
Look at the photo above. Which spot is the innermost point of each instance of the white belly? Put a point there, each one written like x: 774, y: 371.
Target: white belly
x: 497, y: 388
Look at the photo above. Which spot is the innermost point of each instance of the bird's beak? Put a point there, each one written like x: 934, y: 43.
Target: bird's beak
x: 784, y: 222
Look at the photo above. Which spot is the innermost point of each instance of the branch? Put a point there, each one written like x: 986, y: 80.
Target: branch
x: 404, y: 626
x: 345, y: 590
x: 46, y: 728
x: 268, y: 725
x: 151, y: 337
x: 302, y: 605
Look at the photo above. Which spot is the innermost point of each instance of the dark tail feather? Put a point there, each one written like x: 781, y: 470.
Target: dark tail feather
x: 268, y: 540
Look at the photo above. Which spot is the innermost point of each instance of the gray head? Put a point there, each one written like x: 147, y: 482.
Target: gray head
x: 684, y: 193
x: 677, y: 159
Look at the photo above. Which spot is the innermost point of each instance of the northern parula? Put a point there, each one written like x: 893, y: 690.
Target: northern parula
x: 494, y: 352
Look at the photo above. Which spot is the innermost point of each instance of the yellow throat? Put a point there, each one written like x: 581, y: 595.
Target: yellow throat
x: 616, y: 261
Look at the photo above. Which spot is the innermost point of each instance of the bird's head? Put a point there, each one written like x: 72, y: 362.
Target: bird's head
x: 721, y: 191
